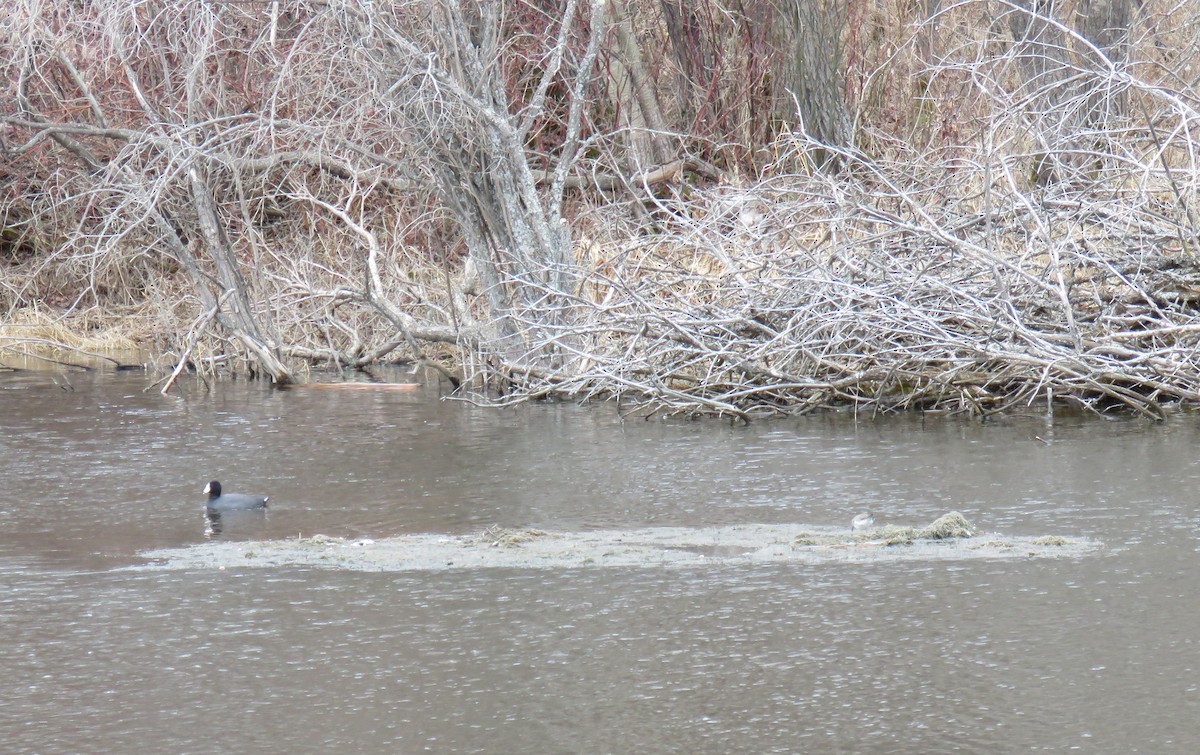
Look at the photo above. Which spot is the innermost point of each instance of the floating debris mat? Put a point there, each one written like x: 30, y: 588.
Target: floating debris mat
x: 951, y: 537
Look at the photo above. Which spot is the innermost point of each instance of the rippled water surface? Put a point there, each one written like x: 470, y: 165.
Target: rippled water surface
x: 1099, y: 653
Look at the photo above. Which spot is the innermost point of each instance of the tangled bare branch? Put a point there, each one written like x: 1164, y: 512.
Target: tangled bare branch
x: 1009, y: 216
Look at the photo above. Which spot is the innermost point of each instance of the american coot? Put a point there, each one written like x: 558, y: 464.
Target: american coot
x: 860, y: 522
x: 232, y: 501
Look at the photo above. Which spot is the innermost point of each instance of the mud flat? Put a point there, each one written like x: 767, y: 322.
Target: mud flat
x: 647, y: 547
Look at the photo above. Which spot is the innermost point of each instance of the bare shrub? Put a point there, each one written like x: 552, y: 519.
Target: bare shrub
x: 590, y: 211
x: 266, y: 149
x: 934, y: 276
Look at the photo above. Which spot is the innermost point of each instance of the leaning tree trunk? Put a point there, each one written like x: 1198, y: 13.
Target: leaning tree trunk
x: 638, y: 106
x: 240, y: 321
x: 444, y: 86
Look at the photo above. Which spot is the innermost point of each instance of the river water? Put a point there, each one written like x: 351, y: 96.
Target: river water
x: 1097, y: 653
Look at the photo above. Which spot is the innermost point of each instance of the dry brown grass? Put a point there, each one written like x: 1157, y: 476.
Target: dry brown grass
x: 40, y: 331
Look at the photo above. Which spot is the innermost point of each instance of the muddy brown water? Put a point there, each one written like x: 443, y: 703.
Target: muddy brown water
x: 1097, y: 653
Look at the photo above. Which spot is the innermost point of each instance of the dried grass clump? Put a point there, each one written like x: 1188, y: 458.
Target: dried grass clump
x: 322, y: 540
x: 31, y: 337
x: 1051, y: 540
x: 501, y: 536
x: 947, y: 526
x: 38, y: 331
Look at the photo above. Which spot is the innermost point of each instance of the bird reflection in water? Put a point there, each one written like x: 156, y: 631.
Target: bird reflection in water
x: 215, y: 521
x: 212, y: 524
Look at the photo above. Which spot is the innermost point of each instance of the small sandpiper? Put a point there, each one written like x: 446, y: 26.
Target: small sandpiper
x: 862, y: 521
